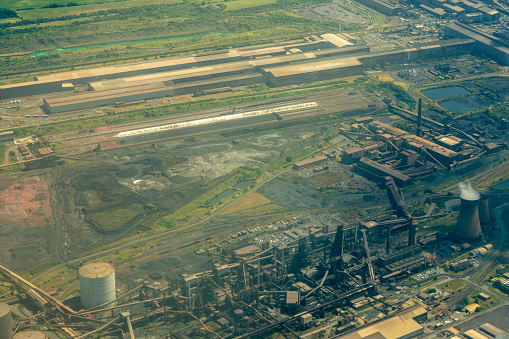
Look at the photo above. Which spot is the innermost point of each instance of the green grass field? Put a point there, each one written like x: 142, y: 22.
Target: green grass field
x: 113, y: 220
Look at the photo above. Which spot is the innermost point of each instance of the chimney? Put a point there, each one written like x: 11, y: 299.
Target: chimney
x: 419, y: 119
x: 468, y: 227
x: 388, y: 245
x: 412, y: 228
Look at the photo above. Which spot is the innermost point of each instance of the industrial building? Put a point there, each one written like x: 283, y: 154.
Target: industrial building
x: 326, y: 57
x: 378, y: 171
x: 61, y: 81
x: 310, y: 162
x: 401, y: 326
x: 485, y: 43
x: 6, y: 137
x: 313, y: 71
x: 383, y: 7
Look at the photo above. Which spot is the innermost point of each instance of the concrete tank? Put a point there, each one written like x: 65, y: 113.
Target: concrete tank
x: 484, y: 210
x: 468, y: 227
x: 97, y: 284
x: 5, y: 321
x: 30, y: 335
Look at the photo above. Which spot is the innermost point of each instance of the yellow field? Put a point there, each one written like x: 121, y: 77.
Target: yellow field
x: 250, y: 201
x: 264, y: 209
x: 385, y: 77
x: 402, y: 84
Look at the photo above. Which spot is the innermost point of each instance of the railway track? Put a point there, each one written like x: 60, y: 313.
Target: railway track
x: 327, y: 104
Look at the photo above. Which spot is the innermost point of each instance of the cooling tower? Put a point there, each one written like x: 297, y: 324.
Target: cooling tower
x: 484, y: 210
x: 468, y: 227
x: 97, y: 284
x: 5, y: 321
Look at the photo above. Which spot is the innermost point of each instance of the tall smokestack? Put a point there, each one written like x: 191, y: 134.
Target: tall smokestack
x: 419, y: 119
x: 468, y: 226
x: 388, y: 245
x: 412, y: 228
x: 484, y: 210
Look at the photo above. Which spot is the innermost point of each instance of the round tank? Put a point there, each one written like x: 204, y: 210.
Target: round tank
x: 468, y: 226
x: 5, y: 321
x: 30, y: 335
x: 238, y: 313
x: 97, y: 284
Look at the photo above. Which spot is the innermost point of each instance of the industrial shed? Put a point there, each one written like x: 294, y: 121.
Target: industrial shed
x: 25, y: 89
x: 143, y: 92
x: 96, y: 99
x: 313, y: 71
x: 489, y: 45
x: 161, y: 65
x: 378, y: 171
x: 491, y: 330
x: 402, y: 326
x: 434, y: 50
x: 178, y: 76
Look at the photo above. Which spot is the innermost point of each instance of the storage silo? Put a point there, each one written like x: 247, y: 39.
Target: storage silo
x: 5, y: 321
x: 468, y: 227
x: 30, y: 335
x: 484, y: 210
x: 97, y: 284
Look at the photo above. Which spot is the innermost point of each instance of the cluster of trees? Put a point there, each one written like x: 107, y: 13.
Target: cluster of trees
x: 6, y: 13
x: 69, y: 4
x: 504, y: 288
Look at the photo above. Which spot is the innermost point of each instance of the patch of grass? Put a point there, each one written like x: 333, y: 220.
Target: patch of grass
x: 499, y: 293
x: 3, y: 149
x: 432, y: 281
x: 453, y: 285
x: 12, y: 157
x: 473, y: 298
x: 113, y: 220
x: 201, y: 206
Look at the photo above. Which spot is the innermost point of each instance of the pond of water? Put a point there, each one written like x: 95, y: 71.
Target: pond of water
x: 445, y: 92
x: 501, y: 185
x: 464, y: 104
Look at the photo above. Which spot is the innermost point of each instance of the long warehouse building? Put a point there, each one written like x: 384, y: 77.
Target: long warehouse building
x: 488, y: 44
x: 56, y: 82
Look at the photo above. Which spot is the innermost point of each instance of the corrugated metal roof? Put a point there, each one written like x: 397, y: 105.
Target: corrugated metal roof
x: 336, y: 40
x: 313, y: 67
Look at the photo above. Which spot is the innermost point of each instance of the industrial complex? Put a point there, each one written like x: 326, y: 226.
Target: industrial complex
x: 350, y: 182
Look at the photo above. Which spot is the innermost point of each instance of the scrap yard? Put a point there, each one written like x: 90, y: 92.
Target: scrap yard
x: 309, y: 169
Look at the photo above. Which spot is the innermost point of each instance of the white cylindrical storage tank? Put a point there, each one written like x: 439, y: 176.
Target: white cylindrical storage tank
x: 97, y: 284
x: 30, y: 335
x: 5, y: 321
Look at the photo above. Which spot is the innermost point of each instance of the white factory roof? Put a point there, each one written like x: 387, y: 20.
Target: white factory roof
x: 132, y: 67
x: 313, y: 67
x: 402, y: 326
x: 336, y: 40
